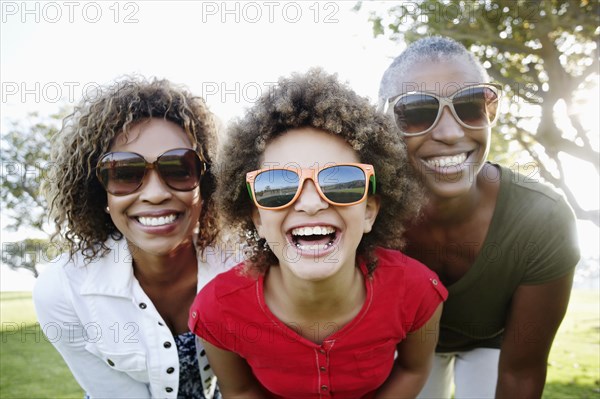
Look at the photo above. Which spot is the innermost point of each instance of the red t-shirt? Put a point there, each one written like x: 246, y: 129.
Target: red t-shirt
x: 352, y: 362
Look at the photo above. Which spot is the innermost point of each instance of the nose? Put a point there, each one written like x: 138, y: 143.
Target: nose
x: 153, y: 189
x: 309, y: 200
x: 447, y: 128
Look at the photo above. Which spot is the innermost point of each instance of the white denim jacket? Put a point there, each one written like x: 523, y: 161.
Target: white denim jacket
x: 107, y: 329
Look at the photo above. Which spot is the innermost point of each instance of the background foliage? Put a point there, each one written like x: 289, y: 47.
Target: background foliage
x: 25, y: 160
x: 544, y: 53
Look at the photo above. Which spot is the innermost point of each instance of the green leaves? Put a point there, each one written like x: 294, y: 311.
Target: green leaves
x: 543, y: 53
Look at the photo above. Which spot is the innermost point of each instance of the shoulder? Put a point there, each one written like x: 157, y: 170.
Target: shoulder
x: 48, y: 285
x: 67, y: 275
x: 394, y: 262
x: 527, y: 208
x: 213, y: 261
x: 54, y: 276
x: 526, y: 202
x: 536, y: 226
x: 409, y: 285
x: 52, y: 290
x: 397, y: 269
x: 231, y: 294
x: 525, y: 189
x: 227, y: 285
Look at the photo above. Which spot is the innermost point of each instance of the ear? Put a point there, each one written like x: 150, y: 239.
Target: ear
x: 371, y: 211
x: 257, y: 222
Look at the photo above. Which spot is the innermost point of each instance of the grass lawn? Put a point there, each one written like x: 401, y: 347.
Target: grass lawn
x: 31, y: 368
x: 574, y: 364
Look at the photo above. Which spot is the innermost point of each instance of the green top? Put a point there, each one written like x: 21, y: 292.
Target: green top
x: 532, y: 239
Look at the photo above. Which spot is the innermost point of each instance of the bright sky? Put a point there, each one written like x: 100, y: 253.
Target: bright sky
x: 228, y: 52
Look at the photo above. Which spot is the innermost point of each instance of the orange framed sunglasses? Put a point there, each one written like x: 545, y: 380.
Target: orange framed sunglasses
x: 338, y: 184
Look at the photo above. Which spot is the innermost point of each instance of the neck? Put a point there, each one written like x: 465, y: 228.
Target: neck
x: 164, y: 270
x: 453, y: 210
x: 316, y: 299
x: 449, y: 211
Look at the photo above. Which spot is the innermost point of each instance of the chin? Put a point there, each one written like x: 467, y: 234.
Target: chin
x: 449, y: 189
x: 158, y: 249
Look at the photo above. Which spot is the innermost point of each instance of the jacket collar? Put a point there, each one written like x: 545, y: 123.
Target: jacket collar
x: 112, y: 274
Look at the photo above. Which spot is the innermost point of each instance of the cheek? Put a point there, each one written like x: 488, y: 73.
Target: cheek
x: 116, y: 205
x: 117, y: 208
x: 110, y: 200
x: 412, y: 146
x: 257, y: 219
x: 487, y: 138
x: 355, y: 217
x: 193, y: 200
x: 267, y: 223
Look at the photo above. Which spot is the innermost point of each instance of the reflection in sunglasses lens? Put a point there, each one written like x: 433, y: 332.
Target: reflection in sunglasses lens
x: 122, y: 173
x: 179, y: 169
x: 416, y: 112
x: 471, y: 106
x: 342, y: 184
x: 275, y: 187
x: 476, y: 107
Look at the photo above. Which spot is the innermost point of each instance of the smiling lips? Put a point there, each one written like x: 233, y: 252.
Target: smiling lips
x: 445, y: 161
x: 313, y: 238
x: 156, y: 221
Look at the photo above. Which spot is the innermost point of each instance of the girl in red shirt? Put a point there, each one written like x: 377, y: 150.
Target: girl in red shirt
x: 319, y: 308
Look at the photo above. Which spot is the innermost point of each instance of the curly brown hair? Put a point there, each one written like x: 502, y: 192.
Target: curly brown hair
x: 77, y: 200
x: 316, y: 99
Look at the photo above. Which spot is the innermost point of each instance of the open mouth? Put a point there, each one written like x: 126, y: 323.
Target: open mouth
x: 313, y: 237
x: 447, y: 161
x: 152, y: 221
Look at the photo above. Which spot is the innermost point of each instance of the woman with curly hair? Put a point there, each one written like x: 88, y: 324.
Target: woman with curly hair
x: 314, y: 311
x: 133, y: 196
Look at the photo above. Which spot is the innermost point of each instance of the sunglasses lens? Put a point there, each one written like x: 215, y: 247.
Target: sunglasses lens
x: 415, y: 113
x: 343, y: 184
x: 121, y: 172
x: 180, y: 169
x: 275, y: 187
x: 477, y: 106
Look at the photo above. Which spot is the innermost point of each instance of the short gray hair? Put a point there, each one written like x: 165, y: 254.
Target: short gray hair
x: 433, y: 48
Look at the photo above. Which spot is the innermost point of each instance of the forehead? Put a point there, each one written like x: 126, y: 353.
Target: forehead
x: 151, y: 138
x: 307, y: 147
x: 443, y: 76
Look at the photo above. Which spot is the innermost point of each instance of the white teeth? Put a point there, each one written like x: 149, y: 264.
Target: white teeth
x: 441, y: 162
x: 313, y: 230
x: 157, y: 221
x: 316, y: 230
x: 314, y: 247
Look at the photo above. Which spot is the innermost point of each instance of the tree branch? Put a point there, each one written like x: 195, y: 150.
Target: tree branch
x: 561, y: 144
x: 591, y: 215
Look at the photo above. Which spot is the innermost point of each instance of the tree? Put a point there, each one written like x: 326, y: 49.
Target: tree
x: 543, y: 53
x: 25, y: 165
x: 30, y: 252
